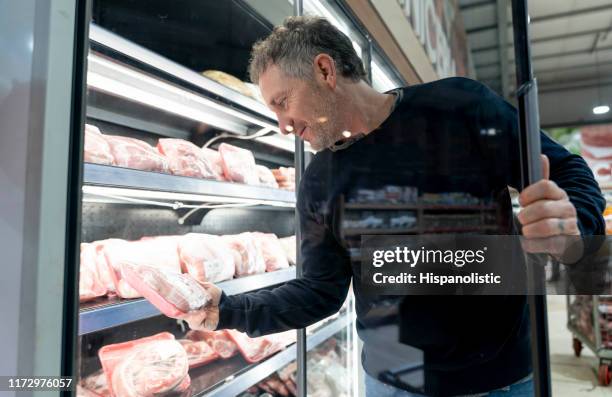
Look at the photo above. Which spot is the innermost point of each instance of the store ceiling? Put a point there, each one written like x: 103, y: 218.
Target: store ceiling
x: 571, y: 49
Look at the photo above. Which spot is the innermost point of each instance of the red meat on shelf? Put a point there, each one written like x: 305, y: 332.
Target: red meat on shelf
x: 90, y: 283
x: 96, y: 148
x: 214, y: 158
x: 174, y: 294
x: 247, y: 254
x: 206, y: 257
x: 218, y: 340
x: 134, y: 153
x: 198, y: 352
x: 255, y: 349
x: 186, y: 159
x: 152, y: 366
x: 272, y: 250
x: 266, y: 177
x: 238, y: 164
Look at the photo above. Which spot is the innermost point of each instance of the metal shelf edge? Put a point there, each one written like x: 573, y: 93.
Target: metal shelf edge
x: 259, y: 372
x: 110, y: 176
x: 97, y: 319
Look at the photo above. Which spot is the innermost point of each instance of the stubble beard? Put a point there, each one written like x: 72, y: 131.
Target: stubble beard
x: 325, y: 134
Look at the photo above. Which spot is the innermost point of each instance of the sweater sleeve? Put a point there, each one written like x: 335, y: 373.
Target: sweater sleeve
x: 300, y: 302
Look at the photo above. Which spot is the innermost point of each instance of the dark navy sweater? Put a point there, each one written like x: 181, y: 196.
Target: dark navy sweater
x: 435, y: 139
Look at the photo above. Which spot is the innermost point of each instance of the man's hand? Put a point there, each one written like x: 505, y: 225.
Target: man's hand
x: 207, y: 318
x: 549, y: 220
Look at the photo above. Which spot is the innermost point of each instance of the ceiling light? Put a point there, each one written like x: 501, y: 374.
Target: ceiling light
x: 602, y: 109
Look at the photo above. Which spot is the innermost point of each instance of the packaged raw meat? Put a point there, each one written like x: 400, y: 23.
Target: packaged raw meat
x: 272, y: 250
x: 83, y: 392
x: 161, y: 252
x: 214, y: 158
x: 185, y: 158
x: 198, y: 352
x: 153, y: 366
x: 285, y: 177
x: 290, y: 248
x: 90, y: 285
x: 104, y: 271
x: 248, y: 257
x: 96, y: 384
x: 238, y: 164
x: 218, y: 340
x: 174, y: 294
x: 96, y: 149
x: 254, y: 349
x: 266, y: 177
x: 206, y: 257
x: 134, y: 153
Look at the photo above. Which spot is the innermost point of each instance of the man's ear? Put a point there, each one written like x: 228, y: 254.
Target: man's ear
x: 325, y: 70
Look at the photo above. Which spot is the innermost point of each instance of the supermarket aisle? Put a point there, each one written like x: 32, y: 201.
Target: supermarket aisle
x: 571, y: 376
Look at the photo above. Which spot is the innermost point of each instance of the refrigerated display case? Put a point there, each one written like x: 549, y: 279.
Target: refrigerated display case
x: 148, y: 87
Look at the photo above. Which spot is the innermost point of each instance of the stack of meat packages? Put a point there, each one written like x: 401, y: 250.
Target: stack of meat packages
x: 115, y: 266
x: 596, y: 149
x: 581, y: 315
x: 159, y: 365
x: 179, y: 157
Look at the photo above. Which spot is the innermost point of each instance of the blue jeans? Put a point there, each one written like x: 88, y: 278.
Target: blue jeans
x: 376, y: 388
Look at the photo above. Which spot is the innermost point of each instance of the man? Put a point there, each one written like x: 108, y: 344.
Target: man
x: 428, y: 136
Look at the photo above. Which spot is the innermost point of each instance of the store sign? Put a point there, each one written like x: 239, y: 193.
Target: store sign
x: 432, y: 21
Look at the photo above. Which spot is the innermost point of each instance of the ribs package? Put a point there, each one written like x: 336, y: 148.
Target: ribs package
x: 160, y: 252
x: 221, y: 343
x: 256, y: 349
x: 134, y: 153
x: 148, y: 367
x: 206, y: 257
x: 238, y: 164
x: 247, y: 254
x: 198, y: 352
x: 272, y: 250
x: 174, y: 294
x: 96, y: 148
x: 186, y: 159
x: 266, y: 177
x: 90, y: 284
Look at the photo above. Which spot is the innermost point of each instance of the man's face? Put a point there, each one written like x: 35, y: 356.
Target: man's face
x: 305, y: 108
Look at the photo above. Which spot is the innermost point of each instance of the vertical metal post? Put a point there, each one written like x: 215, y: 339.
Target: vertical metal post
x: 301, y: 358
x: 531, y: 171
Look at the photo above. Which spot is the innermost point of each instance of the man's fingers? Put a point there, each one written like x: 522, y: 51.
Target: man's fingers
x: 541, y: 190
x: 551, y: 227
x: 546, y: 209
x: 545, y: 167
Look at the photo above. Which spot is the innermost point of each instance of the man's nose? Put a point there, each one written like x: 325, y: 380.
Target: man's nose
x: 286, y: 126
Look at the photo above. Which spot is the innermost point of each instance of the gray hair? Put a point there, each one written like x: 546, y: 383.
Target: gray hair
x: 293, y: 46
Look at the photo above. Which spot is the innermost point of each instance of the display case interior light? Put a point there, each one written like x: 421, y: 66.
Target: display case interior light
x: 100, y: 192
x: 601, y: 109
x: 118, y: 80
x: 284, y: 142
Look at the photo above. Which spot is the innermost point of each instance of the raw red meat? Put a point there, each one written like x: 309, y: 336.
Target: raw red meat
x: 104, y: 271
x: 266, y: 177
x: 206, y: 257
x: 146, y: 367
x: 186, y: 159
x: 96, y: 149
x: 272, y: 250
x: 218, y: 340
x: 90, y: 285
x: 174, y: 294
x: 256, y: 349
x: 238, y: 164
x: 214, y: 158
x: 247, y: 254
x: 159, y: 252
x: 96, y: 384
x: 198, y: 352
x: 285, y: 177
x: 137, y: 154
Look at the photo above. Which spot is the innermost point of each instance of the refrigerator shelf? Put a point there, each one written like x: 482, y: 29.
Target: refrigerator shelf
x: 154, y: 185
x: 236, y: 384
x: 111, y: 313
x: 415, y: 207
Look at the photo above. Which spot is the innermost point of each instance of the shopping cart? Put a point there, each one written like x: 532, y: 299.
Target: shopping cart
x: 590, y: 321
